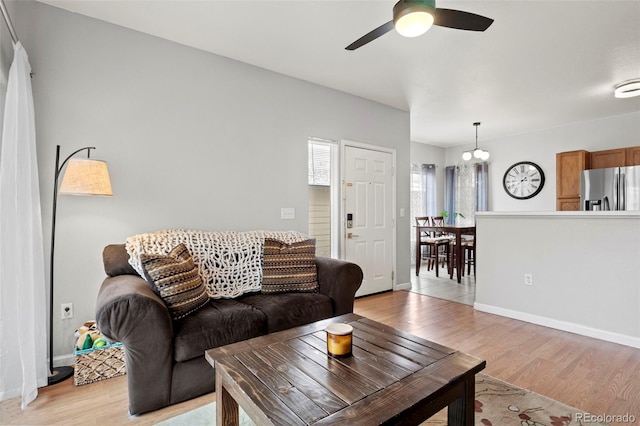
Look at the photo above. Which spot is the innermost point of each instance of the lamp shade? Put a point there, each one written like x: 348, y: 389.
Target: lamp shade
x: 86, y: 177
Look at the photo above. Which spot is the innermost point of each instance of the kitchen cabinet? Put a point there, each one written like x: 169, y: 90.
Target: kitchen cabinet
x: 568, y: 168
x: 608, y: 158
x: 633, y: 156
x: 568, y: 204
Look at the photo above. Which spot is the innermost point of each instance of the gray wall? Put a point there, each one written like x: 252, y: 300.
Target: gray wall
x: 584, y: 266
x: 541, y: 147
x: 193, y: 140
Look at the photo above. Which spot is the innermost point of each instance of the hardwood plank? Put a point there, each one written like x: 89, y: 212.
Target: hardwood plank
x: 334, y: 366
x: 387, y: 345
x: 382, y: 364
x: 320, y: 395
x: 287, y: 392
x: 335, y: 384
x: 382, y: 353
x: 256, y: 399
x: 405, y: 341
x: 421, y: 386
x: 368, y: 324
x: 379, y: 377
x: 509, y: 345
x: 506, y: 344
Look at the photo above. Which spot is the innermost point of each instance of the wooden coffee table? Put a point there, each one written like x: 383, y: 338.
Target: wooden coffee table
x: 393, y: 377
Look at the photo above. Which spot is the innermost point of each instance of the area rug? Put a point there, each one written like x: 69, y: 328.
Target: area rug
x: 497, y: 403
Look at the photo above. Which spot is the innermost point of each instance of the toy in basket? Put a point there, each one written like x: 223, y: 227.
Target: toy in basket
x: 96, y: 357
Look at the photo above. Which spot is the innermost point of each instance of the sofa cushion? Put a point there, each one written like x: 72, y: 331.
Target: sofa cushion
x: 229, y: 263
x: 287, y: 310
x: 116, y: 261
x: 174, y: 277
x: 220, y: 322
x: 290, y: 267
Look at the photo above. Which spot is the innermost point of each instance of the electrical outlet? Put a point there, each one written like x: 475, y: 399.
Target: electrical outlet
x: 66, y: 311
x: 528, y: 279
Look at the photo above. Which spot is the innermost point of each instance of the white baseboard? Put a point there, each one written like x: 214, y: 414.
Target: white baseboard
x: 403, y: 286
x: 62, y: 360
x: 608, y: 336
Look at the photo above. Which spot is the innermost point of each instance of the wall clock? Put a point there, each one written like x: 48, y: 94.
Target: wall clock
x: 523, y: 180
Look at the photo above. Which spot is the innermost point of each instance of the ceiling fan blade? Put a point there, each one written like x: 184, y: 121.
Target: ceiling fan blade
x: 461, y: 20
x: 380, y: 31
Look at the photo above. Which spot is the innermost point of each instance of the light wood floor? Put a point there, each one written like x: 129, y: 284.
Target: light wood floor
x: 589, y: 374
x: 444, y: 287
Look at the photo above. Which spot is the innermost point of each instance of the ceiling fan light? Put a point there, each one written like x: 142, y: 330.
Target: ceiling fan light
x: 412, y: 18
x: 477, y: 153
x: 485, y: 155
x: 414, y: 24
x: 466, y: 156
x: 628, y: 89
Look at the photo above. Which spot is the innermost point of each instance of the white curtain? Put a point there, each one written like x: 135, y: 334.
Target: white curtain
x: 466, y: 195
x: 466, y: 192
x: 23, y: 340
x: 423, y: 196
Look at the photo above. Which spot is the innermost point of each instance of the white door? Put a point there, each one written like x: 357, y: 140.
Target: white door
x: 369, y: 222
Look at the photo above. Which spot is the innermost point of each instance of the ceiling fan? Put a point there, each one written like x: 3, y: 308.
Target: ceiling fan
x: 412, y: 18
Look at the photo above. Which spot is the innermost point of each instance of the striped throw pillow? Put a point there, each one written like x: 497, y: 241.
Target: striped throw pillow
x: 174, y: 277
x: 289, y: 268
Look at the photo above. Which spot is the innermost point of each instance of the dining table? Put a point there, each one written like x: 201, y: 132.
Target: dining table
x: 458, y: 231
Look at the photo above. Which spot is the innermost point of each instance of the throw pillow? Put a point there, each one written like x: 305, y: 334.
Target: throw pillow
x: 174, y: 277
x: 289, y: 267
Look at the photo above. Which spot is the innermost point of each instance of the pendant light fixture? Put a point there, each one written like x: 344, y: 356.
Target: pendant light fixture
x: 479, y: 154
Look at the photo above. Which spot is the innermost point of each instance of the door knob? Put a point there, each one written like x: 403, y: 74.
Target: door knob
x: 350, y: 235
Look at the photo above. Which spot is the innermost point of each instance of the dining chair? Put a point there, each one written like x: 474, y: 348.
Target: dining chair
x: 433, y: 244
x: 469, y: 253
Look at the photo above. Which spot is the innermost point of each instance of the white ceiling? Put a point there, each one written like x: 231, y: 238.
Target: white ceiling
x: 541, y: 64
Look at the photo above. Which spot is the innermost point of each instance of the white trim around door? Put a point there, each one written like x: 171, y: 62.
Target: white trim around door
x: 371, y: 240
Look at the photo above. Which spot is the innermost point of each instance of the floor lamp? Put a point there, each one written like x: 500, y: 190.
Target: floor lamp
x: 81, y: 177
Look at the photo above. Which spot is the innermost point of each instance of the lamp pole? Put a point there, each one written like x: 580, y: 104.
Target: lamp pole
x: 62, y: 372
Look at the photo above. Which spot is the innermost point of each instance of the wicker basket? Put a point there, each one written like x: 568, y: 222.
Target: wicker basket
x: 93, y: 365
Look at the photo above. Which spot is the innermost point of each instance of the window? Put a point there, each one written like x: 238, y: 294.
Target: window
x: 323, y: 203
x: 423, y: 190
x: 466, y: 192
x: 423, y: 195
x: 319, y: 164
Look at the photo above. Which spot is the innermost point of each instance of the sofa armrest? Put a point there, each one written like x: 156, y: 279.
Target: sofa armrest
x: 128, y: 311
x: 339, y: 280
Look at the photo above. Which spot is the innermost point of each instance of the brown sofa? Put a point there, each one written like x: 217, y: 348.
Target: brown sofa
x: 165, y: 358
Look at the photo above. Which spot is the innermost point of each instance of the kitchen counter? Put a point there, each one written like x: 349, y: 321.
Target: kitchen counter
x: 585, y: 268
x: 559, y: 214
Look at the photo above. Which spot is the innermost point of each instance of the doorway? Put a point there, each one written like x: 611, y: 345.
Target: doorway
x: 369, y: 214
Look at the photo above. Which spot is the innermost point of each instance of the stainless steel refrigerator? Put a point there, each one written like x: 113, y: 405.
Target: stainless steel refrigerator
x: 615, y: 188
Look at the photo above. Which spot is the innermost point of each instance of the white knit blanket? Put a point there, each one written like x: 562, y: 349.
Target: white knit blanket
x: 229, y: 263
